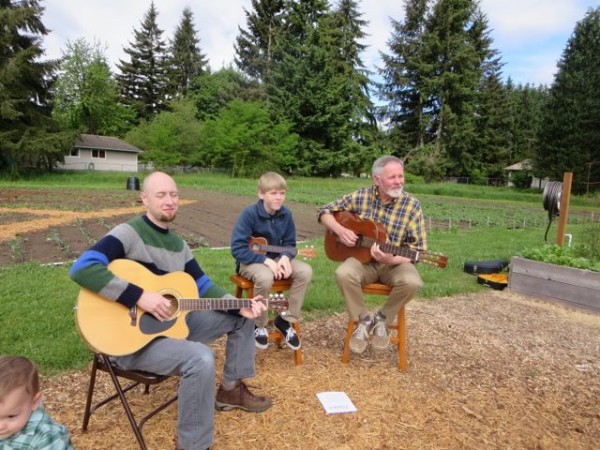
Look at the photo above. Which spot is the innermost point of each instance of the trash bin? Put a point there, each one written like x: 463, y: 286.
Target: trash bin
x: 133, y: 184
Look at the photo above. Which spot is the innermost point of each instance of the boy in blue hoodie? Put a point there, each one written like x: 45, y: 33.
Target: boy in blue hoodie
x: 268, y: 218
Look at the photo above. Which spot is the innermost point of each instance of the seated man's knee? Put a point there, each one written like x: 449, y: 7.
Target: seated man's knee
x: 201, y: 361
x: 264, y: 279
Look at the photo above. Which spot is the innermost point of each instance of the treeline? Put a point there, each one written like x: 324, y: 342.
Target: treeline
x: 300, y: 100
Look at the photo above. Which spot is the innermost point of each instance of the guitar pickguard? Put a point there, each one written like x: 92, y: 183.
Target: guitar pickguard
x: 150, y: 325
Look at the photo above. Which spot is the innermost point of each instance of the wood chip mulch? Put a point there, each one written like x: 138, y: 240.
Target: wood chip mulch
x: 491, y: 370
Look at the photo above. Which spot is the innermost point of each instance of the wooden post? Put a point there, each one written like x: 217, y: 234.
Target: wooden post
x: 565, y: 196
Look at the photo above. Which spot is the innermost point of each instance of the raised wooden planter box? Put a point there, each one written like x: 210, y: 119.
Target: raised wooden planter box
x: 572, y: 287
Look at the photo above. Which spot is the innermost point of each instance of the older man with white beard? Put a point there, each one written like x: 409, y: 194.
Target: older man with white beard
x: 385, y: 203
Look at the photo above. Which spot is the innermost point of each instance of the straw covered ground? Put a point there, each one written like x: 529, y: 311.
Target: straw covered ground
x: 493, y: 370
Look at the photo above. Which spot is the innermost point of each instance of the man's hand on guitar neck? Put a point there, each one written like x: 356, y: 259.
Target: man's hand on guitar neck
x: 155, y: 304
x: 387, y: 258
x: 255, y: 309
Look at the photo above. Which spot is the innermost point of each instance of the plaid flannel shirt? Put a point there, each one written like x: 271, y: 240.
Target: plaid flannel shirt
x: 40, y: 433
x: 402, y: 218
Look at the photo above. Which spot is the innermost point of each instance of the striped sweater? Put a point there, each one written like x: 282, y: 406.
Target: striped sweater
x: 159, y: 250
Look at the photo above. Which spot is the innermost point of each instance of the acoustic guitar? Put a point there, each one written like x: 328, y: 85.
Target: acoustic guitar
x: 369, y: 233
x: 111, y: 328
x: 261, y: 246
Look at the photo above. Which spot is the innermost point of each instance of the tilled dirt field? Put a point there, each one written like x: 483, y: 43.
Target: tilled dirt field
x: 56, y: 226
x: 493, y: 370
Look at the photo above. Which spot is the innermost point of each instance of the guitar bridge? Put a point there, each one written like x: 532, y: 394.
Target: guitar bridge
x: 133, y: 316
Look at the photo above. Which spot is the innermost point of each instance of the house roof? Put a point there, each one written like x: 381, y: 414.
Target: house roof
x: 94, y: 141
x: 522, y: 165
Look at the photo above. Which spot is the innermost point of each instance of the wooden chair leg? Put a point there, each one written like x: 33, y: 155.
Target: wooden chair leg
x: 402, y: 339
x: 349, y: 331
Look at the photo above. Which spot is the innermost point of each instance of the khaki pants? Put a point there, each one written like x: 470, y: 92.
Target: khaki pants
x: 262, y: 277
x: 352, y: 274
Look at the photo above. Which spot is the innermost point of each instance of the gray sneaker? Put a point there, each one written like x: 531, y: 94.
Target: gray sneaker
x: 360, y: 336
x: 381, y: 337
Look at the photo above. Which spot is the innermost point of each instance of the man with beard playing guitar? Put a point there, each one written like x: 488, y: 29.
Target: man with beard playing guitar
x: 148, y: 241
x: 400, y: 214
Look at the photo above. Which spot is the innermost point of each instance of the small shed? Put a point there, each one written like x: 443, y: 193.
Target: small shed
x: 525, y: 165
x: 93, y: 152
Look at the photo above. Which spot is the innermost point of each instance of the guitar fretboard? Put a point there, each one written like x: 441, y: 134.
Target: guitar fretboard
x: 277, y: 249
x: 210, y: 304
x: 390, y: 248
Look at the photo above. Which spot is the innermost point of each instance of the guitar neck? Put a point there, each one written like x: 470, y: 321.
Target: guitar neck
x: 210, y: 304
x: 392, y: 249
x: 277, y: 249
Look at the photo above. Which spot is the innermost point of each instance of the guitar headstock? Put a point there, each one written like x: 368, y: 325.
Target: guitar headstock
x: 433, y: 259
x: 277, y: 302
x: 307, y: 252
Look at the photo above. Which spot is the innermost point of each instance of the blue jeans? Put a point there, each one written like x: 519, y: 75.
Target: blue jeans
x: 193, y: 361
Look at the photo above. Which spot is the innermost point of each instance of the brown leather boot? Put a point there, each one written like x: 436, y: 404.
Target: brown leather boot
x: 241, y: 397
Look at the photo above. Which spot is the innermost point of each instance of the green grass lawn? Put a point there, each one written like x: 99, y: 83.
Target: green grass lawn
x: 37, y: 302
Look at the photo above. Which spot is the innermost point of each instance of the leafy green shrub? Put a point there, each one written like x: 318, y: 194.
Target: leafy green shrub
x: 562, y: 256
x: 590, y: 248
x: 522, y: 180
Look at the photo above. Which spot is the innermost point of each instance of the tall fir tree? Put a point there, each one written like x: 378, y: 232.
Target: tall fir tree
x: 433, y: 80
x: 142, y: 80
x: 408, y: 105
x: 526, y: 105
x: 28, y: 135
x: 255, y: 45
x: 359, y: 125
x: 319, y: 84
x: 569, y: 139
x: 493, y: 118
x: 186, y: 61
x: 299, y: 84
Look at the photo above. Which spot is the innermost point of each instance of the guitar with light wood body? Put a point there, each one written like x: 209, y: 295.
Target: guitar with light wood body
x: 109, y: 327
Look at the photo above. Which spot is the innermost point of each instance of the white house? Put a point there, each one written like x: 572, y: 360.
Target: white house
x: 92, y: 152
x: 526, y: 165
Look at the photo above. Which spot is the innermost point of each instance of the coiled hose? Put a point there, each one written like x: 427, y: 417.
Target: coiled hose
x: 551, y: 202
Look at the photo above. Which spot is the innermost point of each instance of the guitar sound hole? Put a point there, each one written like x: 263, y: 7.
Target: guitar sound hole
x: 173, y: 304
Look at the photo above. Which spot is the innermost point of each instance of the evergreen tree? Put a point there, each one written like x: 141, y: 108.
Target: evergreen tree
x: 358, y: 125
x: 255, y: 46
x: 299, y: 87
x: 526, y: 104
x: 569, y: 139
x: 493, y: 119
x: 319, y: 84
x: 408, y: 105
x: 142, y: 80
x: 28, y: 135
x: 186, y: 62
x: 86, y: 93
x: 433, y: 81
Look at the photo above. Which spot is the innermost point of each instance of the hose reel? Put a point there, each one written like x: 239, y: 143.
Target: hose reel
x: 551, y: 202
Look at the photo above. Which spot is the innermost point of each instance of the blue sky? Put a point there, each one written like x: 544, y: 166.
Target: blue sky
x: 529, y: 34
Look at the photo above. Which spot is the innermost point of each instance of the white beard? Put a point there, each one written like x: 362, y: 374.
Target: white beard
x: 394, y: 193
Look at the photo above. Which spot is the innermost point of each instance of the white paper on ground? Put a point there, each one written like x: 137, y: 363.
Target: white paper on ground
x: 336, y: 402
